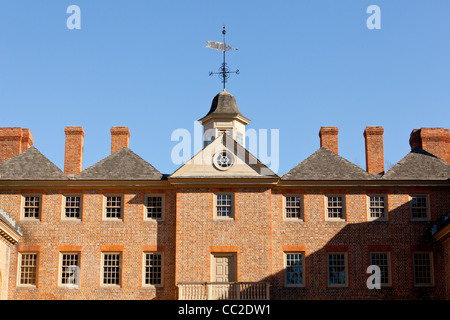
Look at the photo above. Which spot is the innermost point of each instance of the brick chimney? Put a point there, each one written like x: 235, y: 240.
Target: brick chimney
x: 14, y: 141
x: 433, y: 140
x: 329, y: 138
x: 27, y: 139
x: 373, y: 136
x: 120, y: 137
x: 73, y: 157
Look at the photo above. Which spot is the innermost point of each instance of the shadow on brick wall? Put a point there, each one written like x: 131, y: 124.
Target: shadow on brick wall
x: 398, y: 236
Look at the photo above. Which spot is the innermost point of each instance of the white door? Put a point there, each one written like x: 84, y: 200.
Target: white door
x: 223, y: 270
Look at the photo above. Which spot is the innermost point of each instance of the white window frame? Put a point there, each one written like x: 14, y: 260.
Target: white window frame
x: 163, y: 206
x: 61, y: 255
x: 302, y: 253
x: 105, y: 201
x: 23, y: 207
x: 19, y: 271
x: 231, y: 217
x: 338, y: 285
x: 300, y: 199
x: 388, y: 266
x: 111, y: 285
x: 431, y: 284
x: 146, y: 285
x: 344, y: 211
x: 428, y: 216
x: 369, y: 217
x: 64, y: 217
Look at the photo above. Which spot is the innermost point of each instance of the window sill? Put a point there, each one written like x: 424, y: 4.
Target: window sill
x: 71, y: 220
x: 223, y: 219
x: 153, y: 220
x: 294, y: 220
x: 377, y: 220
x: 335, y: 220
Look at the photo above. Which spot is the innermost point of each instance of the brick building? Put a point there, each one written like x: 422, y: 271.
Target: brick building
x: 223, y: 225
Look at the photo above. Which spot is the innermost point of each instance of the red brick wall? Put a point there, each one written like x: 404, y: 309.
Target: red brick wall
x: 73, y: 156
x: 14, y: 141
x: 120, y: 138
x: 358, y: 237
x: 329, y: 138
x: 374, y: 150
x: 258, y: 235
x: 198, y: 234
x: 50, y: 235
x: 433, y: 140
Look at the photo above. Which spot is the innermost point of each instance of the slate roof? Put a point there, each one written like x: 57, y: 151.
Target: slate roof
x: 224, y: 103
x: 30, y: 165
x: 123, y: 164
x: 326, y: 165
x: 419, y: 165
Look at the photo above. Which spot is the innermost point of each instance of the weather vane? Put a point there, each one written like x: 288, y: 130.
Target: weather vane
x: 224, y: 71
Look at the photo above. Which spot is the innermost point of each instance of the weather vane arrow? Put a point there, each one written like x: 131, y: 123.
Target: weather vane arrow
x: 224, y: 71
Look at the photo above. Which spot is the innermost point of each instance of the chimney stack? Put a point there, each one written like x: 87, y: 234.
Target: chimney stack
x: 373, y: 136
x: 329, y: 138
x: 27, y: 139
x: 73, y: 157
x: 120, y: 138
x: 433, y: 140
x: 14, y: 141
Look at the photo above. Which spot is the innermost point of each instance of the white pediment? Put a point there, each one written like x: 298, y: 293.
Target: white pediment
x: 226, y: 158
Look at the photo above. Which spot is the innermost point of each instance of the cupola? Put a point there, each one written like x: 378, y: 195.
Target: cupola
x: 224, y: 117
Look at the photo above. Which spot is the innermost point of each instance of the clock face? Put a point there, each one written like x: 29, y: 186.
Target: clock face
x: 223, y: 160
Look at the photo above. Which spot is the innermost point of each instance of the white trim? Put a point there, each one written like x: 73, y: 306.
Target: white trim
x: 427, y: 197
x: 430, y: 253
x: 344, y: 213
x: 301, y: 200
x: 102, y: 268
x: 105, y: 199
x: 63, y: 213
x: 163, y: 206
x: 386, y: 211
x: 389, y: 284
x: 144, y: 285
x: 229, y: 154
x: 22, y: 207
x: 232, y: 216
x: 339, y: 285
x: 19, y: 267
x: 60, y: 284
x: 302, y: 253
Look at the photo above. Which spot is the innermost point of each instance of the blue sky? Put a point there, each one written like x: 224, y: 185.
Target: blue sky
x: 303, y: 65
